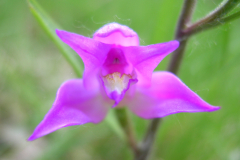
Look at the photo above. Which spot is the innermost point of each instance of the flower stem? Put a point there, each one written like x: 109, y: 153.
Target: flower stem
x: 213, y: 19
x: 144, y: 148
x: 224, y: 8
x: 50, y: 26
x: 184, y: 19
x: 125, y: 122
x: 220, y: 21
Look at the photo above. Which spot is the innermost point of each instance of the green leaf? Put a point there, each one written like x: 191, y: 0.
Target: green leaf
x: 49, y: 26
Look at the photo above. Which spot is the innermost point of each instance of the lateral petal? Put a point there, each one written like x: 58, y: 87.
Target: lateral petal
x: 146, y: 58
x: 73, y: 106
x: 92, y: 52
x: 167, y: 95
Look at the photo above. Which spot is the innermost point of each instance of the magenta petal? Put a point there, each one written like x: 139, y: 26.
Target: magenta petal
x: 92, y: 52
x: 73, y: 106
x: 114, y: 33
x: 167, y: 95
x: 146, y: 58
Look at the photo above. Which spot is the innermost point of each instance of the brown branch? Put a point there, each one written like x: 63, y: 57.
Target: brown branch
x: 224, y: 8
x: 185, y: 18
x: 217, y: 22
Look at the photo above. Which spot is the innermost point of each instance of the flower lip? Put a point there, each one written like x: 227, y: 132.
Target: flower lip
x: 116, y: 85
x: 116, y: 81
x: 115, y: 33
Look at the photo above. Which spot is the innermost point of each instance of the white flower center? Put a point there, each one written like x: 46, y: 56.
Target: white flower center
x: 116, y: 82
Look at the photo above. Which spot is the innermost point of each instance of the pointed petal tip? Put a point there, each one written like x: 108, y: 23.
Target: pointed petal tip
x: 32, y: 138
x: 215, y: 108
x: 57, y: 31
x: 38, y: 134
x: 173, y: 44
x: 115, y: 104
x: 176, y: 43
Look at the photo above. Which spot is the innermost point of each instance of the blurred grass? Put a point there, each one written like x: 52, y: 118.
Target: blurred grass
x: 50, y: 28
x: 31, y: 70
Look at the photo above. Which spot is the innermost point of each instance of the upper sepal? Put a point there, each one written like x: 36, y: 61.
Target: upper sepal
x: 114, y: 33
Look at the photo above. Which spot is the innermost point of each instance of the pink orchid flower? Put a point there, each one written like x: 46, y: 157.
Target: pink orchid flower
x: 118, y: 73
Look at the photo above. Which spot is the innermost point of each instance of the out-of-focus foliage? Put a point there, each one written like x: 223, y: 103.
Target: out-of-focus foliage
x: 32, y: 69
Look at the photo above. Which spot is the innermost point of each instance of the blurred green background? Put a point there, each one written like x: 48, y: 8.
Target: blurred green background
x: 32, y: 69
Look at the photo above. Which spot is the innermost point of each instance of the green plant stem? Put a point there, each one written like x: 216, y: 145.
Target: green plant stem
x: 213, y: 19
x: 125, y: 122
x: 217, y: 22
x: 49, y: 26
x: 145, y: 148
x: 224, y: 8
x: 184, y: 19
